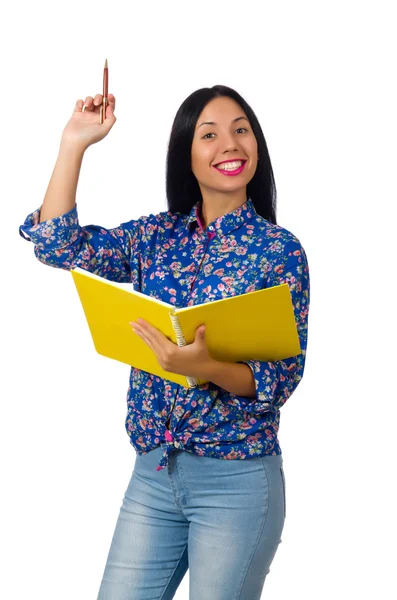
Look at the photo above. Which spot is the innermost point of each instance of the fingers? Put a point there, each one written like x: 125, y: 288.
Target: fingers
x: 91, y: 103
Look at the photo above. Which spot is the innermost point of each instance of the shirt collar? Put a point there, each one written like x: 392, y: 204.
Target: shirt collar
x: 226, y: 223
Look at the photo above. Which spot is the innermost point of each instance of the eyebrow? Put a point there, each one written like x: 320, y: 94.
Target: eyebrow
x: 212, y: 123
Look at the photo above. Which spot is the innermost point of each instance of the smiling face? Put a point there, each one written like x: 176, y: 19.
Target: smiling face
x: 228, y: 138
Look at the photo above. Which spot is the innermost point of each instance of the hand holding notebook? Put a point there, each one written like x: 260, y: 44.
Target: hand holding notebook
x: 258, y: 325
x: 192, y: 360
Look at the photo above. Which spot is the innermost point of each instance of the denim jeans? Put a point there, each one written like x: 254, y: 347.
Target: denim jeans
x: 221, y: 519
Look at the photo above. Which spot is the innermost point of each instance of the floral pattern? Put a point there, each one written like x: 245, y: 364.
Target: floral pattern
x: 172, y: 257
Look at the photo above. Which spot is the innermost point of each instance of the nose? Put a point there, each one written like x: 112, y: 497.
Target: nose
x: 230, y: 144
x: 230, y: 149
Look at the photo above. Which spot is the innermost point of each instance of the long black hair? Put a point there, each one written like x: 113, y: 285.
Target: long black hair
x: 182, y: 187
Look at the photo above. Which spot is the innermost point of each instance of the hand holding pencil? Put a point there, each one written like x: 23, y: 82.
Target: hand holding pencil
x: 91, y: 120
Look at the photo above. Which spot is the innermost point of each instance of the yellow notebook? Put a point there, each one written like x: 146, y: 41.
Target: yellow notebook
x: 258, y: 325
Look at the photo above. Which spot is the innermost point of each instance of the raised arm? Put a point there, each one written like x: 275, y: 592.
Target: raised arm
x: 63, y: 243
x: 59, y: 240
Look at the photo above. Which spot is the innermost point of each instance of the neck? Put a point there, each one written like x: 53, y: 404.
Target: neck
x: 217, y: 204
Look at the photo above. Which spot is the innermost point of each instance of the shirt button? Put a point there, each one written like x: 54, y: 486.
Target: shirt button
x: 210, y: 228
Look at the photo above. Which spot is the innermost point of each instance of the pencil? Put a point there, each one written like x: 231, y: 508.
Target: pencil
x: 102, y: 112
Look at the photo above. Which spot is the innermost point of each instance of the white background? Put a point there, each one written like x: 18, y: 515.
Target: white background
x: 320, y: 77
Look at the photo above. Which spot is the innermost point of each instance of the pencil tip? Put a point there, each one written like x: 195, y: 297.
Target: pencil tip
x: 106, y: 63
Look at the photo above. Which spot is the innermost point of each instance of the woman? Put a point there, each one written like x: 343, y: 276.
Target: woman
x: 219, y: 237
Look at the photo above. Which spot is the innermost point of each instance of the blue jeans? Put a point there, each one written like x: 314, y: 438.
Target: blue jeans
x: 222, y: 519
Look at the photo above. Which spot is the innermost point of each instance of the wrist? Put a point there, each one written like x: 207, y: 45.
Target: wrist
x: 71, y: 149
x: 211, y: 370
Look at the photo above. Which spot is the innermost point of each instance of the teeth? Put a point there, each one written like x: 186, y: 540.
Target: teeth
x: 230, y: 166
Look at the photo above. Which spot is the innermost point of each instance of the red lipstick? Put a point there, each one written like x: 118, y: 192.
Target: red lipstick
x: 231, y: 173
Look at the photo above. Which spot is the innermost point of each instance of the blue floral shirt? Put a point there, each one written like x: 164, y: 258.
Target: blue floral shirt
x: 172, y: 257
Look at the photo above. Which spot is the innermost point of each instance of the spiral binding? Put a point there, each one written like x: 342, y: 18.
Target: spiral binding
x: 180, y: 340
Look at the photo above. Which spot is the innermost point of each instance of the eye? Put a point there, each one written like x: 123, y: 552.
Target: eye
x: 239, y: 129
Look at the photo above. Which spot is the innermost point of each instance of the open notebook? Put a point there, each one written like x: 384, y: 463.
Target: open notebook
x: 258, y: 325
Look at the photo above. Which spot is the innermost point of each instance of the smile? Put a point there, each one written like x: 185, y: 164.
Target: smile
x: 232, y: 171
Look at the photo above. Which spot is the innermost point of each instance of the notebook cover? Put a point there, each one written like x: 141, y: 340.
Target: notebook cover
x: 258, y: 326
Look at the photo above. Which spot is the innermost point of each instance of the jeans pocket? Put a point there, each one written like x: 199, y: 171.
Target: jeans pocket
x: 284, y: 494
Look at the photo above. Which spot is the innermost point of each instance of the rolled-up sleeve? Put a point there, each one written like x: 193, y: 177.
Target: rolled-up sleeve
x: 63, y: 243
x: 276, y: 381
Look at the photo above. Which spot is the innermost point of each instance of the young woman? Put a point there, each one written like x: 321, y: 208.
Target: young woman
x: 207, y: 491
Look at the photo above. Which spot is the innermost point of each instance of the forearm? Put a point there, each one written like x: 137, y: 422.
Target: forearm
x: 235, y: 378
x: 60, y: 197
